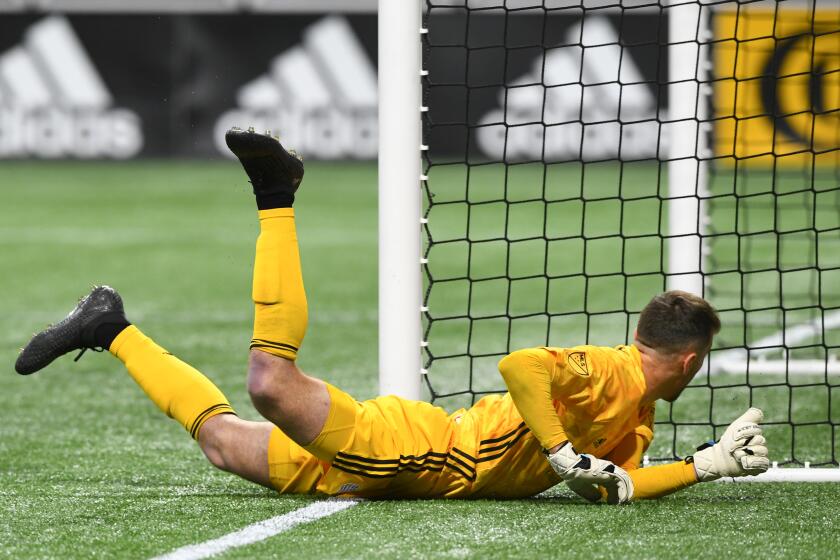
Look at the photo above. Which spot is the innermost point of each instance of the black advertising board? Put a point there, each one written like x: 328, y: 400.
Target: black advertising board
x: 545, y: 85
x: 122, y: 86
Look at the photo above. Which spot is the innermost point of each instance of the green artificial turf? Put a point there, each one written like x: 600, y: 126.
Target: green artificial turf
x: 90, y: 468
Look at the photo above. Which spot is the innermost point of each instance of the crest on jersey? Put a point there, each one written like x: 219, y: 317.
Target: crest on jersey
x: 577, y: 361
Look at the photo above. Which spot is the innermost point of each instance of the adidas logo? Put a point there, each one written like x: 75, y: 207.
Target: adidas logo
x: 54, y: 103
x: 568, y: 106
x: 320, y: 95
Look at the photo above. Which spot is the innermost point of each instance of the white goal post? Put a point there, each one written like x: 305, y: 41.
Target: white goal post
x: 685, y: 142
x: 400, y: 283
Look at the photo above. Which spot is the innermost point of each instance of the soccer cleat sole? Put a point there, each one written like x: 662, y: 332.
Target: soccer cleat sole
x: 270, y: 167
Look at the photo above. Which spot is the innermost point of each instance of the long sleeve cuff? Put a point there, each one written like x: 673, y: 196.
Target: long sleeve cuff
x: 654, y: 482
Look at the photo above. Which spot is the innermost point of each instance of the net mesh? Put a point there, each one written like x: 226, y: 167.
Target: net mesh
x: 547, y: 201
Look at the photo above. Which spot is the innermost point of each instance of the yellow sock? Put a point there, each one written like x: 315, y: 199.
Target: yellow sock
x: 280, y: 312
x: 178, y: 389
x: 653, y: 482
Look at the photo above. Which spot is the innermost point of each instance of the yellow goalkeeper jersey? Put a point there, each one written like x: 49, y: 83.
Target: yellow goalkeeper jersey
x: 402, y: 448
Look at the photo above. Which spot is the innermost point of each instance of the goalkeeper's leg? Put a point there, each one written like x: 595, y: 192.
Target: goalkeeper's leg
x: 176, y: 388
x: 298, y: 404
x: 185, y: 394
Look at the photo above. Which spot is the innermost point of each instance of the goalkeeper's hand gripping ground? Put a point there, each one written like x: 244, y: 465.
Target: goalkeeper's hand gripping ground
x: 584, y: 474
x: 742, y: 451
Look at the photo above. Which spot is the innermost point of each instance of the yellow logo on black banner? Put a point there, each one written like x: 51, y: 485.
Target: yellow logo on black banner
x: 777, y: 88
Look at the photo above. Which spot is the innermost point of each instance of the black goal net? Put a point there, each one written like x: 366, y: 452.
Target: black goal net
x: 584, y: 157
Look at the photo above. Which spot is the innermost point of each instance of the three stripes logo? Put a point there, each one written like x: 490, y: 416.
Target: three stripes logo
x: 54, y: 103
x: 586, y: 100
x: 455, y: 459
x: 320, y: 95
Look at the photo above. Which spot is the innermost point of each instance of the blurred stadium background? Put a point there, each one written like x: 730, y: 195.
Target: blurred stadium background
x: 112, y: 170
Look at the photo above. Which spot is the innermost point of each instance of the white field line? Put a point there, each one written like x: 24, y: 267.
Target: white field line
x: 260, y: 531
x: 734, y: 360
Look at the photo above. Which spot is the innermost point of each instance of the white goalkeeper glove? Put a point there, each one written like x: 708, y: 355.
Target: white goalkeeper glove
x: 584, y: 473
x: 741, y: 451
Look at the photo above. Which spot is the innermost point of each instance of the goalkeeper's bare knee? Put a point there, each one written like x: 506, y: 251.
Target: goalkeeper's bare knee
x: 269, y: 379
x: 292, y: 401
x: 237, y: 446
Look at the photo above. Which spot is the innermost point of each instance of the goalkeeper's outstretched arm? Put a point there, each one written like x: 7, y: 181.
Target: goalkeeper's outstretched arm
x: 741, y: 451
x: 651, y: 482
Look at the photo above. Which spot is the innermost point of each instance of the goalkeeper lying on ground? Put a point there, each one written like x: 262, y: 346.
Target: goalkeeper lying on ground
x: 583, y: 415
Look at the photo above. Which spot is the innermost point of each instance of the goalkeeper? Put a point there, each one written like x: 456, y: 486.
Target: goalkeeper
x: 582, y: 415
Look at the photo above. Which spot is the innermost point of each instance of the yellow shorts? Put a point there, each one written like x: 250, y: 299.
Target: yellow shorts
x: 386, y: 446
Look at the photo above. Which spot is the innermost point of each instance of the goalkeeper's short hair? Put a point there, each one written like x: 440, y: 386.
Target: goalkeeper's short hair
x: 675, y: 320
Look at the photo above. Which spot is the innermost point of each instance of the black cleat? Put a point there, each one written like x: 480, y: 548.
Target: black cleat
x: 274, y: 172
x: 74, y: 332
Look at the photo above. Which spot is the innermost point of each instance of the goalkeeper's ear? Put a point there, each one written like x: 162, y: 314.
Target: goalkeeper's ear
x: 694, y: 357
x: 688, y: 362
x: 689, y: 365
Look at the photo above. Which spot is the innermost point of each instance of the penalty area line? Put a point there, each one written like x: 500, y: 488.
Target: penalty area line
x: 260, y: 531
